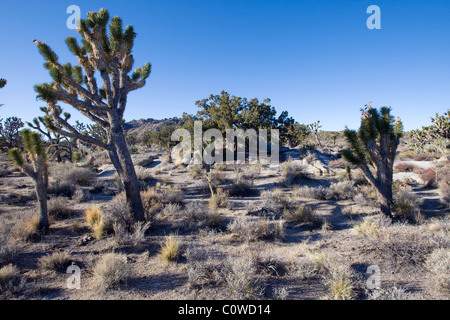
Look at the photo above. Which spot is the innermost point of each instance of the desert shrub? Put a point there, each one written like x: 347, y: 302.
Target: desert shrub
x: 154, y: 196
x: 220, y: 166
x: 81, y: 195
x: 70, y: 173
x: 277, y: 200
x: 241, y: 187
x: 341, y: 191
x: 438, y: 266
x: 407, y: 167
x: 319, y: 193
x: 170, y: 248
x: 339, y: 276
x: 240, y: 275
x: 392, y: 293
x: 9, y: 276
x: 405, y: 246
x: 406, y: 205
x: 336, y: 191
x: 219, y: 199
x: 444, y: 191
x: 292, y: 171
x: 195, y: 215
x: 56, y: 261
x: 61, y: 188
x: 171, y: 210
x: 427, y: 157
x: 134, y: 236
x: 429, y: 178
x: 110, y: 271
x: 253, y: 229
x: 144, y: 175
x: 196, y: 171
x: 8, y: 252
x: 202, y: 268
x: 58, y: 207
x: 302, y: 214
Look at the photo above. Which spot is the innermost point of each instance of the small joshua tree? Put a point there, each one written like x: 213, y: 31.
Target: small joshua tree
x: 105, y: 51
x: 2, y: 83
x: 34, y: 164
x: 47, y: 127
x: 374, y: 147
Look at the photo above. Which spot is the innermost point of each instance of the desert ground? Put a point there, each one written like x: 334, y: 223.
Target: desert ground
x: 304, y: 229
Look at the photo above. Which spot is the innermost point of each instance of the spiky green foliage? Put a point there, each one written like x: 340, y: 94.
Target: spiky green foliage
x: 16, y: 156
x: 373, y: 148
x: 2, y: 83
x: 435, y: 137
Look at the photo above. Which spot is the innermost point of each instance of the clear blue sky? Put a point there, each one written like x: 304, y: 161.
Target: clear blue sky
x: 315, y: 59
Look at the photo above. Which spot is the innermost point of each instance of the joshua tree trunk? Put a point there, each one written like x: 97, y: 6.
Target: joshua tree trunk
x: 123, y: 163
x: 41, y: 193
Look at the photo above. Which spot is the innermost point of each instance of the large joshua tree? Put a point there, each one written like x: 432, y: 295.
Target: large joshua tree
x: 105, y: 51
x: 373, y: 149
x: 34, y: 164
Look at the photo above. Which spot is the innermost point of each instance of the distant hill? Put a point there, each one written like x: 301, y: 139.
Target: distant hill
x: 140, y: 126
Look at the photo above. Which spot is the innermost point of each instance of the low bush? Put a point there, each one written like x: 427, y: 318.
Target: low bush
x: 57, y: 261
x: 110, y: 271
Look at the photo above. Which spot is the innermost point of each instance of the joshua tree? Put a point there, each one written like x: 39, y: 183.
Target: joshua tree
x: 47, y: 127
x: 314, y: 128
x: 107, y: 54
x: 2, y: 83
x: 34, y: 164
x: 374, y: 147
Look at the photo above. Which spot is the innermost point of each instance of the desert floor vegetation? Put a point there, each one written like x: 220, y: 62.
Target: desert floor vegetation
x: 286, y: 232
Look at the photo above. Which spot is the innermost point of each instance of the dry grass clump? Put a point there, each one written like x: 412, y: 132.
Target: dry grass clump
x: 157, y: 197
x: 28, y: 229
x: 407, y: 205
x: 292, y: 171
x: 301, y: 214
x: 170, y: 248
x: 240, y: 276
x: 171, y: 210
x: 56, y: 261
x: 367, y: 228
x: 437, y: 265
x: 71, y: 174
x: 58, y: 208
x: 254, y: 229
x: 110, y: 271
x: 219, y: 199
x: 94, y: 217
x: 9, y: 277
